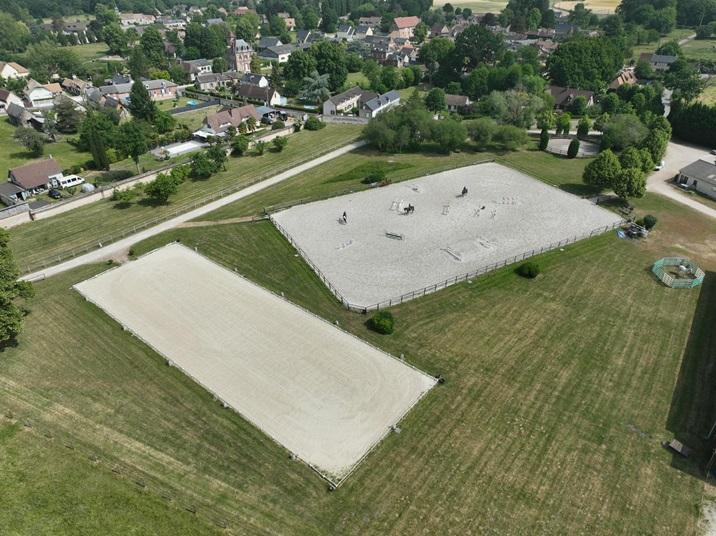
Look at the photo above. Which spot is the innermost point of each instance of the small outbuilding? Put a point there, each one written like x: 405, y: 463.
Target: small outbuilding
x: 699, y: 176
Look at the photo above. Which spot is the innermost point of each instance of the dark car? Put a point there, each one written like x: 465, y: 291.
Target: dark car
x: 54, y: 193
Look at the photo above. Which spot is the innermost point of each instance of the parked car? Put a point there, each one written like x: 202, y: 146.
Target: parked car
x: 713, y: 152
x: 54, y: 193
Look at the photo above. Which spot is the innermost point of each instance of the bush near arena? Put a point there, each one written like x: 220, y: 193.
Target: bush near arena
x: 530, y: 270
x: 382, y: 322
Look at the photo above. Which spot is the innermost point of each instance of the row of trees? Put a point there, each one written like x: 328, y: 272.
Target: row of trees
x: 14, y: 294
x: 626, y: 176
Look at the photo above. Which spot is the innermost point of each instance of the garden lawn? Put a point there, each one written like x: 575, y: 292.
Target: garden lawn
x: 558, y: 393
x: 709, y: 94
x: 47, y: 240
x: 12, y: 154
x: 89, y: 52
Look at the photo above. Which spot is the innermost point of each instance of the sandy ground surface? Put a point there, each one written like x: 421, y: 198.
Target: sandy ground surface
x: 504, y: 214
x: 325, y: 395
x: 561, y: 146
x: 120, y: 246
x: 679, y: 155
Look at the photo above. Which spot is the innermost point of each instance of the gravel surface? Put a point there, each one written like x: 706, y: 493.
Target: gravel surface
x: 325, y: 395
x: 504, y: 214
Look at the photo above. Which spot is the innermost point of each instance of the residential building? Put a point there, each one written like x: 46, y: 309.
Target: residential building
x: 439, y: 30
x: 196, y: 67
x: 457, y: 103
x: 346, y: 102
x: 239, y: 55
x: 136, y: 19
x: 160, y: 89
x: 213, y: 81
x: 379, y: 104
x: 363, y: 31
x: 11, y: 70
x: 41, y: 95
x: 564, y: 96
x: 279, y: 54
x: 217, y: 124
x: 75, y: 86
x: 625, y: 76
x: 701, y: 176
x: 35, y: 176
x: 267, y: 95
x: 288, y: 20
x: 7, y: 98
x: 345, y: 32
x: 268, y: 41
x: 243, y: 10
x: 404, y: 26
x: 254, y: 80
x: 214, y: 21
x: 658, y: 62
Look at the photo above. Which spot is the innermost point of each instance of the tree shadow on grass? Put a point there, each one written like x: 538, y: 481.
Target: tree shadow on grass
x: 580, y: 189
x: 11, y: 343
x: 693, y: 404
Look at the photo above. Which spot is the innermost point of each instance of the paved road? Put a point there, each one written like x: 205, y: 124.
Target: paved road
x: 678, y: 155
x: 121, y: 245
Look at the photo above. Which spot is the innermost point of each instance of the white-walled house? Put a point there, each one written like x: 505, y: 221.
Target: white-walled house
x: 11, y: 70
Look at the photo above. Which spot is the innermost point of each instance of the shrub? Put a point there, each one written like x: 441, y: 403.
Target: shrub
x: 377, y: 175
x: 529, y: 269
x: 543, y: 139
x: 313, y: 123
x: 573, y: 149
x: 279, y: 143
x: 649, y: 221
x: 382, y: 322
x: 260, y: 147
x: 278, y: 125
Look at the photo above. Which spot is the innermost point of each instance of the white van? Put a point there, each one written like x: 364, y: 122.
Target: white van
x: 65, y: 181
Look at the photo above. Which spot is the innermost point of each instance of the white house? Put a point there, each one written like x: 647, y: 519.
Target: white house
x: 345, y: 102
x: 379, y: 104
x: 10, y: 69
x: 42, y: 96
x: 279, y: 54
x: 7, y: 98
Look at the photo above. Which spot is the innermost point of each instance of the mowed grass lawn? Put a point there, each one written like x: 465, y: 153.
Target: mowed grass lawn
x: 44, y: 241
x: 89, y: 52
x: 709, y: 94
x: 345, y: 173
x: 559, y: 391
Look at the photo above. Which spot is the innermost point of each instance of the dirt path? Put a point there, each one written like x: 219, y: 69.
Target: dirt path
x: 107, y: 252
x: 228, y: 221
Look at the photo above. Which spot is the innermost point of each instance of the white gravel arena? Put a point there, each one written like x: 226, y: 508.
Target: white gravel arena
x: 380, y: 253
x: 323, y: 394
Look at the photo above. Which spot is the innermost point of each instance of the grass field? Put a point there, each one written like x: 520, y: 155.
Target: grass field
x: 709, y: 94
x: 90, y: 52
x: 194, y: 119
x: 675, y: 35
x: 558, y: 393
x: 44, y: 240
x: 356, y: 79
x: 700, y: 49
x: 600, y: 7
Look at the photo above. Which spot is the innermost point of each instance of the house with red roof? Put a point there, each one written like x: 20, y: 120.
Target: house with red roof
x: 404, y: 27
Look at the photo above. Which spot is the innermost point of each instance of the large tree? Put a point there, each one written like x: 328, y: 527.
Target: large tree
x: 131, y: 141
x: 97, y: 134
x: 585, y: 63
x: 13, y: 293
x: 152, y: 44
x: 602, y: 171
x: 477, y: 45
x: 300, y: 64
x: 140, y: 103
x: 331, y: 60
